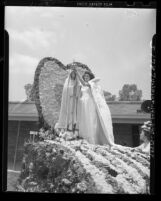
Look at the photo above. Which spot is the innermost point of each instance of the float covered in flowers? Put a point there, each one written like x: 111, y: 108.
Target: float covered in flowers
x: 72, y: 165
x: 55, y: 163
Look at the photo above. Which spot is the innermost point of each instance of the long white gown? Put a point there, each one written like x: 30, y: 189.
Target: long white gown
x: 90, y: 127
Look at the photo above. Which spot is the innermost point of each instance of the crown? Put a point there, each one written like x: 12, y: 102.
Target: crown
x: 79, y: 66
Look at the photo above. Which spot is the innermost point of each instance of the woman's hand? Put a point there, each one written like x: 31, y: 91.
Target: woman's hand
x: 77, y: 74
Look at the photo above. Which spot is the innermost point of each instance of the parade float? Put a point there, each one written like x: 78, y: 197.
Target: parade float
x: 65, y: 163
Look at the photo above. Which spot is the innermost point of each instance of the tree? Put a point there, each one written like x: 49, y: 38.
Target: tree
x: 130, y: 93
x: 109, y: 96
x: 28, y: 89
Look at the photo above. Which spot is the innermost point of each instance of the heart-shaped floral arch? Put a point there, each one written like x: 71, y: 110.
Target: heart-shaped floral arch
x: 47, y: 89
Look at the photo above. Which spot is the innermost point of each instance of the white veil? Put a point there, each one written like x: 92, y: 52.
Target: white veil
x: 63, y: 115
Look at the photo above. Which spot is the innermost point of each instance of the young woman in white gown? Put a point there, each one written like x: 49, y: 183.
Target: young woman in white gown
x: 94, y: 117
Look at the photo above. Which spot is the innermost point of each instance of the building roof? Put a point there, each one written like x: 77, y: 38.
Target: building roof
x: 27, y: 108
x: 22, y: 111
x: 121, y: 111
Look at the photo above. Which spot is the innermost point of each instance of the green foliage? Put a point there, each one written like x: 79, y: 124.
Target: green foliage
x: 28, y: 90
x: 108, y: 96
x: 130, y: 93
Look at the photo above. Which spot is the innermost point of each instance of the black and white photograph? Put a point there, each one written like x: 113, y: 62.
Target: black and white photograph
x: 79, y: 99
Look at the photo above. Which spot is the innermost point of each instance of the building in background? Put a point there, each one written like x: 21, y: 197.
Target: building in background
x: 127, y: 118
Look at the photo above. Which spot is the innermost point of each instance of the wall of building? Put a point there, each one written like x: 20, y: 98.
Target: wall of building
x: 127, y: 134
x: 18, y: 133
x: 124, y: 134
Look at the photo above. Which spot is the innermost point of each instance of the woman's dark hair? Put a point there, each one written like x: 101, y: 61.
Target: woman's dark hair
x: 91, y: 75
x: 146, y: 128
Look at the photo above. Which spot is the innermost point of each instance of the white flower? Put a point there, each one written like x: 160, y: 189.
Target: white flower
x: 96, y: 174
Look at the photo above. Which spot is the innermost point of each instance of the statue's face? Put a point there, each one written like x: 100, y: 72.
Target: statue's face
x: 73, y: 75
x: 86, y: 77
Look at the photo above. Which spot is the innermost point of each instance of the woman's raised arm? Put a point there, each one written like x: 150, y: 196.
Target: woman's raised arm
x: 81, y: 80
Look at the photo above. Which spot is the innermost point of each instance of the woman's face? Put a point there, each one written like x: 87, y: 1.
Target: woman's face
x: 86, y: 77
x: 142, y: 136
x: 73, y: 75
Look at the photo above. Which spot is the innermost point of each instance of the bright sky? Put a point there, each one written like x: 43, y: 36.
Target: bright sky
x: 113, y: 42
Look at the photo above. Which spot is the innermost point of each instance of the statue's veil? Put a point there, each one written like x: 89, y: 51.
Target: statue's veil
x: 63, y: 115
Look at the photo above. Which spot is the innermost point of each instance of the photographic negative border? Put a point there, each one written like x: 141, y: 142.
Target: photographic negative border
x: 99, y: 4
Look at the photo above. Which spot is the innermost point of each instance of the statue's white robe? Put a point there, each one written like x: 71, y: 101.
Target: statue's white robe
x: 68, y: 110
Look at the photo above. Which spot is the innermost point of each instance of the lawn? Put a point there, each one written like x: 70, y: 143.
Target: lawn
x: 12, y: 177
